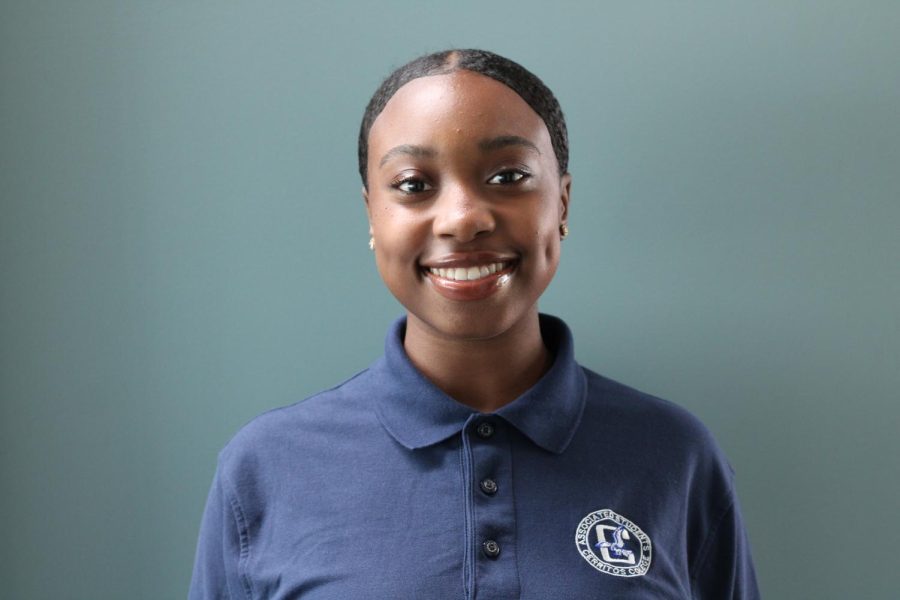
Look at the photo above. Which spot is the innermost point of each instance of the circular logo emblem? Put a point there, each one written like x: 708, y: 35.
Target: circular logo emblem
x: 613, y: 545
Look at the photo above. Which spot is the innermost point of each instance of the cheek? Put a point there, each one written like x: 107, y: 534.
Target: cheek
x: 387, y: 222
x: 549, y: 257
x: 546, y: 233
x: 398, y: 240
x: 551, y: 252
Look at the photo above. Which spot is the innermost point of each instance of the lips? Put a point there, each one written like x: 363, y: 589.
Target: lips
x: 469, y: 277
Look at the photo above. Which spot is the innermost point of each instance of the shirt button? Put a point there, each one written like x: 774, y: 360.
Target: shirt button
x: 488, y: 486
x: 491, y: 549
x: 485, y: 430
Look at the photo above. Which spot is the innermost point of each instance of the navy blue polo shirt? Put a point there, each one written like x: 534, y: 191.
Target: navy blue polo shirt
x: 385, y: 487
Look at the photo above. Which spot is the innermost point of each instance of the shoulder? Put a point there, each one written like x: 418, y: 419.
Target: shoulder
x: 654, y: 429
x: 633, y: 406
x: 288, y: 434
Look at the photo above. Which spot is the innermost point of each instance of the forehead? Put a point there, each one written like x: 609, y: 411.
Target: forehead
x: 456, y: 107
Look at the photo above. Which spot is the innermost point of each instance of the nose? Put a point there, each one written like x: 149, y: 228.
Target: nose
x: 462, y: 215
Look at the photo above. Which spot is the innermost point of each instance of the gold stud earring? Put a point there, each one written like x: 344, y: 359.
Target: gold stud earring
x: 563, y: 231
x: 372, y: 242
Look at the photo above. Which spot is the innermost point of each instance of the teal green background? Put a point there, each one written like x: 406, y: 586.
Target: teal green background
x: 183, y: 246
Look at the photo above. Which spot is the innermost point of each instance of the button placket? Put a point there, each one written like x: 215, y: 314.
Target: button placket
x: 496, y: 573
x: 485, y: 431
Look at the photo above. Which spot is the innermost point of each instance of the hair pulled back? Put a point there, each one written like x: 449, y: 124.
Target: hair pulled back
x: 511, y: 74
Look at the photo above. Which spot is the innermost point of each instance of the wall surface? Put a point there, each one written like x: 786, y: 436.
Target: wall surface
x: 183, y: 246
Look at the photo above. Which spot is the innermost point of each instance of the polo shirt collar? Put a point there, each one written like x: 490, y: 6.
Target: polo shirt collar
x: 418, y: 414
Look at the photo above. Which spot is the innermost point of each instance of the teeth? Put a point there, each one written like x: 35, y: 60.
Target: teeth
x: 469, y: 274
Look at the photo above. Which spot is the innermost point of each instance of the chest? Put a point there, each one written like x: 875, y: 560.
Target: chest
x: 469, y: 522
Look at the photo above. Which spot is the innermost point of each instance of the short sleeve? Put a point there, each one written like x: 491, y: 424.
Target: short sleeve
x: 220, y: 547
x: 725, y: 568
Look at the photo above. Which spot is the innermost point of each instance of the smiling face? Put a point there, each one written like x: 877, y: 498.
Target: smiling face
x: 465, y: 201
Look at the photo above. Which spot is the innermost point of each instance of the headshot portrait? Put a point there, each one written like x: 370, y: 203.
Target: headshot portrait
x: 512, y: 300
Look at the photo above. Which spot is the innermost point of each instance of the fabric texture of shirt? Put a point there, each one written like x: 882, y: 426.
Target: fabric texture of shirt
x: 384, y: 487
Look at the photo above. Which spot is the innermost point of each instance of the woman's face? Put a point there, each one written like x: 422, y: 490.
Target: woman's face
x: 465, y: 202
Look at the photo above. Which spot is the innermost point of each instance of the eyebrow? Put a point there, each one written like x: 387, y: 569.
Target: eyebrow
x: 502, y: 141
x: 408, y: 150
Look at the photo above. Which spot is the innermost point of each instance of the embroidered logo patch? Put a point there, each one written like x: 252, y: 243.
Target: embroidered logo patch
x: 613, y: 545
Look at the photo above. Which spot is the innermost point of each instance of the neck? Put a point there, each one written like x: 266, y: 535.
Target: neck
x: 484, y: 374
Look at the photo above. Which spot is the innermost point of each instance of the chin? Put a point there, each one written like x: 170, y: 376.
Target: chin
x: 471, y: 325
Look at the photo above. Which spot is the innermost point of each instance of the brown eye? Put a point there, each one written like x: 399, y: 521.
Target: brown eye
x: 411, y: 185
x: 507, y: 177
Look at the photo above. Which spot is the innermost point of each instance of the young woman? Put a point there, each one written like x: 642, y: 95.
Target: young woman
x: 476, y: 458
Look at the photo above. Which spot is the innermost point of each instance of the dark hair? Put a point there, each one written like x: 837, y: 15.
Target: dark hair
x: 511, y: 74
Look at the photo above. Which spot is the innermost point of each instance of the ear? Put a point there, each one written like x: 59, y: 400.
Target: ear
x: 565, y: 187
x: 365, y: 197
